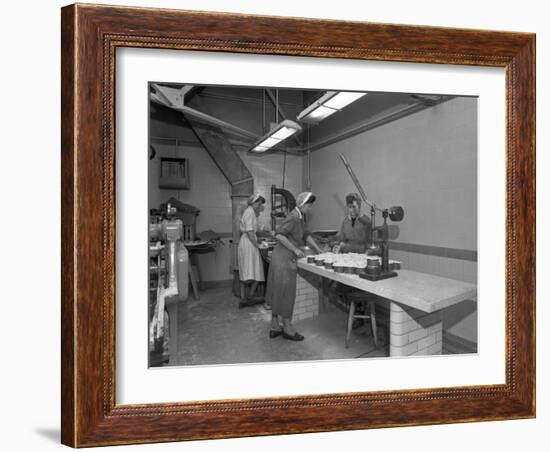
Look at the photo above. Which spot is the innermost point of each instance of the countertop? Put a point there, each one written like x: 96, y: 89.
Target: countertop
x: 422, y: 291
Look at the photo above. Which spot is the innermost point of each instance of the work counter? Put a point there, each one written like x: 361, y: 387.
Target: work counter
x: 416, y: 301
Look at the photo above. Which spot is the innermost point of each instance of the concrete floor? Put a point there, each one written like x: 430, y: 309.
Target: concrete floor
x: 213, y: 330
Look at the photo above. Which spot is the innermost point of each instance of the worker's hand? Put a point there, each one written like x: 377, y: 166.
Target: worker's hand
x: 299, y: 253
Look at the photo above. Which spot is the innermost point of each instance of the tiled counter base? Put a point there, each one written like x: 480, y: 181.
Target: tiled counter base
x: 307, y: 295
x: 415, y: 332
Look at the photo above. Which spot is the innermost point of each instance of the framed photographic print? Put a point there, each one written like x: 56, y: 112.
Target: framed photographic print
x: 323, y: 225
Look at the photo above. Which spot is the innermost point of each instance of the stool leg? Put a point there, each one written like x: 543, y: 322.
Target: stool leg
x: 373, y: 323
x: 350, y: 321
x: 194, y: 263
x: 194, y: 283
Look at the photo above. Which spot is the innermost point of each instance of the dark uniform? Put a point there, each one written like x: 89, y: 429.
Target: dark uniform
x: 281, y: 280
x: 356, y: 234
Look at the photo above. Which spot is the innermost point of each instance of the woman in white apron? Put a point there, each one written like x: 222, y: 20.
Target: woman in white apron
x: 251, y: 268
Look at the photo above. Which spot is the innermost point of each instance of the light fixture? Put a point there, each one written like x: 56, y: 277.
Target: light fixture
x: 276, y: 136
x: 327, y: 104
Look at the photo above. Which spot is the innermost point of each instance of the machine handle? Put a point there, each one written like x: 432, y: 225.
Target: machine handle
x: 357, y: 184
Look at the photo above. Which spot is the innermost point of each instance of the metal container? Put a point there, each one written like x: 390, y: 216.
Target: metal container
x: 373, y: 267
x: 348, y: 270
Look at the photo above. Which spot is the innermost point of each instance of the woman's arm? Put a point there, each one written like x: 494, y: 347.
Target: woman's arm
x: 252, y: 236
x: 289, y: 246
x: 311, y: 241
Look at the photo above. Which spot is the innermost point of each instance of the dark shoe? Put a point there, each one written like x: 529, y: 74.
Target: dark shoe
x: 293, y: 337
x: 250, y: 302
x: 275, y: 333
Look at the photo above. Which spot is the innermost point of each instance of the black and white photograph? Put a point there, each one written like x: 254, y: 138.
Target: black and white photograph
x: 276, y: 226
x: 303, y: 224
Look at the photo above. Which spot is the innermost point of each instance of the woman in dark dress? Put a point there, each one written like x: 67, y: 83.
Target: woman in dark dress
x: 281, y: 280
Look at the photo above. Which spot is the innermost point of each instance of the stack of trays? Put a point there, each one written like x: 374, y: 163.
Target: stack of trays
x: 349, y: 263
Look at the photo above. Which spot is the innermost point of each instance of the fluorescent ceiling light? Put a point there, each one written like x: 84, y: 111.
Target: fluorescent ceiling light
x: 343, y: 99
x: 276, y: 136
x: 329, y: 103
x: 320, y: 113
x: 269, y: 142
x: 284, y: 133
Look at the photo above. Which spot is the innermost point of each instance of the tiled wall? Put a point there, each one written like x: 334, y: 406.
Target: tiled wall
x: 427, y: 163
x: 405, y: 162
x: 414, y: 332
x: 267, y: 170
x: 307, y: 296
x: 461, y: 319
x: 209, y: 191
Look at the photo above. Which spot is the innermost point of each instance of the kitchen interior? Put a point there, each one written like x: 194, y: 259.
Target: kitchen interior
x: 410, y: 157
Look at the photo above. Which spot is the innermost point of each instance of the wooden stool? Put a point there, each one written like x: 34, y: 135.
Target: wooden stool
x: 365, y: 298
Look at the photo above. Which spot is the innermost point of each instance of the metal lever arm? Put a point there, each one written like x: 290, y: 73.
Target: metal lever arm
x: 357, y: 184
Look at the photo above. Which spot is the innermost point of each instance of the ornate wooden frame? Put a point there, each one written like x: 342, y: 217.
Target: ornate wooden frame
x: 90, y: 35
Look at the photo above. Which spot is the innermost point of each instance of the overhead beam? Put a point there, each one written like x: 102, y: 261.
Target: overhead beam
x: 178, y: 96
x: 186, y: 90
x: 188, y: 111
x: 175, y: 96
x: 168, y: 96
x: 160, y: 98
x: 192, y: 92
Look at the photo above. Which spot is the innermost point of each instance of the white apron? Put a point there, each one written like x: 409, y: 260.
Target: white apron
x: 251, y: 266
